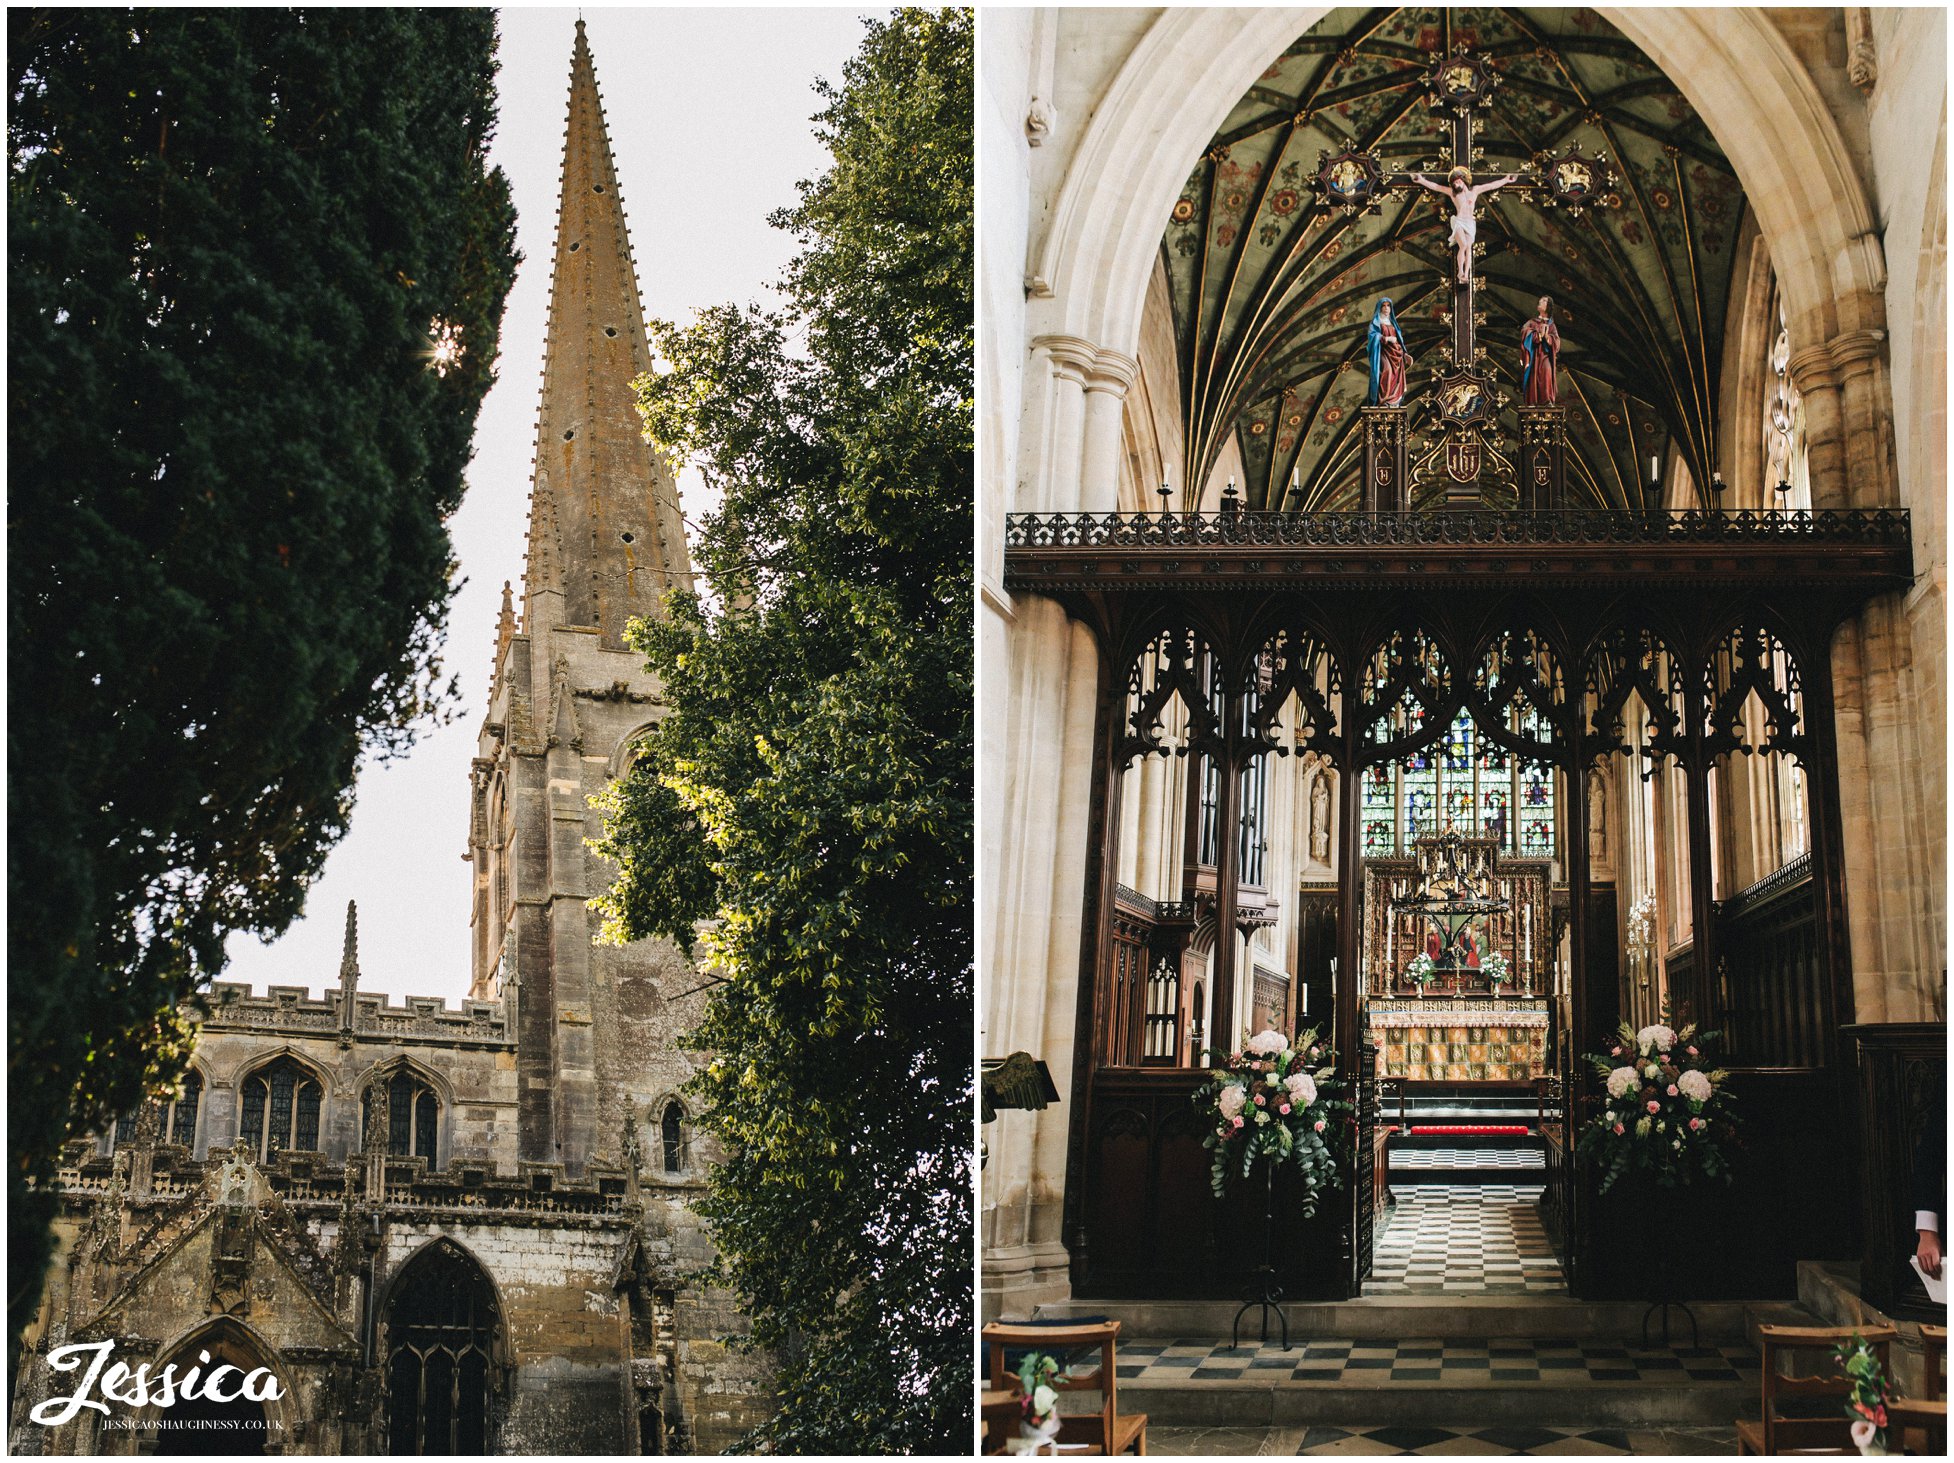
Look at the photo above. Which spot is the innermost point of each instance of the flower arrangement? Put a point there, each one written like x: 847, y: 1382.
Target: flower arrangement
x: 1276, y: 1102
x: 1040, y: 1401
x: 1496, y: 968
x: 1871, y: 1391
x: 1422, y: 971
x: 1667, y: 1113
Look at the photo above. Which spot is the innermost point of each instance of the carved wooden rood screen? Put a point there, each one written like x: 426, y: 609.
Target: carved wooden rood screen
x: 1348, y: 642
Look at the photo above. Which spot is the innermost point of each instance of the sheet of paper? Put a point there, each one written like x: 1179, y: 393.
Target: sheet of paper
x: 1936, y: 1289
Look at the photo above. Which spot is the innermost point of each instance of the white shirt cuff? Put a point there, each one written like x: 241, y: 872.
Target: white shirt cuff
x: 1926, y: 1219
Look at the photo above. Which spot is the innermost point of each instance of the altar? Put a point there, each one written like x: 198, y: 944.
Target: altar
x: 1460, y: 1038
x: 1467, y: 1012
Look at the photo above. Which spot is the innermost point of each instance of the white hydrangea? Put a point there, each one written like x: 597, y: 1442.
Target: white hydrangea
x: 1267, y: 1044
x: 1233, y: 1100
x: 1655, y: 1038
x: 1695, y: 1086
x: 1622, y: 1081
x: 1302, y: 1089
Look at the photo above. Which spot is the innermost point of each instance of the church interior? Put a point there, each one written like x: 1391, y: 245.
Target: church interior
x: 1461, y: 531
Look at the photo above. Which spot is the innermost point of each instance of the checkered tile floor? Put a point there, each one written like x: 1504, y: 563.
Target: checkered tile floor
x: 1467, y: 1158
x: 1498, y: 1362
x: 1445, y: 1239
x: 1514, y: 1440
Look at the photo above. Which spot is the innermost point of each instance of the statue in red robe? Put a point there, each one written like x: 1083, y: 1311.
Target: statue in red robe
x: 1540, y: 357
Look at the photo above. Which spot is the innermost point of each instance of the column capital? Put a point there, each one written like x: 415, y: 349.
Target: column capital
x: 1812, y: 369
x: 1072, y: 355
x: 1078, y: 359
x: 1856, y: 351
x: 1113, y: 373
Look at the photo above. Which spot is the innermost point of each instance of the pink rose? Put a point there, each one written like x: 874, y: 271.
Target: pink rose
x: 1238, y: 1122
x: 1654, y: 1106
x: 1284, y: 1109
x: 1696, y: 1125
x: 1672, y: 1089
x: 1261, y: 1101
x: 1614, y: 1051
x: 1690, y: 1049
x: 1618, y: 1126
x: 1321, y: 1125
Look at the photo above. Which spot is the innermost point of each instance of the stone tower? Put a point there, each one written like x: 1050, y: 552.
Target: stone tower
x: 595, y: 1027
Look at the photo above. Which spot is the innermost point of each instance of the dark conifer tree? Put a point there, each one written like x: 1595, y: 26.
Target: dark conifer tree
x: 257, y: 269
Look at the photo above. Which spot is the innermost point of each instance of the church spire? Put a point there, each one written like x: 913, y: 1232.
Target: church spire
x: 605, y: 537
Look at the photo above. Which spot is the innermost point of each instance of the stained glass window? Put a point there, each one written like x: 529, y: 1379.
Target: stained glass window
x: 1380, y: 813
x: 1469, y: 782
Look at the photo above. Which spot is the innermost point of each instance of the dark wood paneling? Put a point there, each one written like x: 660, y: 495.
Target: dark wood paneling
x: 1774, y: 995
x: 1741, y: 1241
x: 1902, y: 1129
x: 1153, y: 1228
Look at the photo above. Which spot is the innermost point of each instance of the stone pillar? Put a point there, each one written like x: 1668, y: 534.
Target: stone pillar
x: 1384, y: 454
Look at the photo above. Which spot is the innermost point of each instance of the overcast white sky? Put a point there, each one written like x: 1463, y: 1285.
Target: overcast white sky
x: 708, y: 114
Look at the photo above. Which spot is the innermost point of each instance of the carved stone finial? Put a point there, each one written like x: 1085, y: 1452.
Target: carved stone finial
x: 349, y: 958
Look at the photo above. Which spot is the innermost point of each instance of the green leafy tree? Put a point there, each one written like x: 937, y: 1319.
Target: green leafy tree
x: 809, y: 793
x: 257, y: 268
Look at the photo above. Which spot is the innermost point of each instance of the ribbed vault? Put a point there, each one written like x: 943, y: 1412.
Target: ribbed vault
x: 1272, y: 291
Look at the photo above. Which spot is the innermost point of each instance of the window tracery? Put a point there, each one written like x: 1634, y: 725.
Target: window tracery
x: 279, y: 1108
x: 413, y: 1118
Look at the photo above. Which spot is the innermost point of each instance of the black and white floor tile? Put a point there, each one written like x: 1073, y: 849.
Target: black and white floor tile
x: 1414, y: 1159
x: 1443, y: 1239
x: 1497, y: 1362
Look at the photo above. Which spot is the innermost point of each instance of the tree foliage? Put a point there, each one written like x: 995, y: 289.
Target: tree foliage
x: 258, y: 262
x: 809, y: 793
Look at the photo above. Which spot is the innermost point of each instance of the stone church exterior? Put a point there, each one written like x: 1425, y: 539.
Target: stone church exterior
x: 454, y: 1230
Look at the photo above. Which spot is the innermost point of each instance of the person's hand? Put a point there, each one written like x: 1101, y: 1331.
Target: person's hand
x: 1929, y: 1252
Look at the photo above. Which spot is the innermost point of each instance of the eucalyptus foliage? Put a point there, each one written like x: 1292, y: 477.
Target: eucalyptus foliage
x: 256, y: 272
x: 1274, y: 1103
x: 806, y: 802
x: 1667, y: 1114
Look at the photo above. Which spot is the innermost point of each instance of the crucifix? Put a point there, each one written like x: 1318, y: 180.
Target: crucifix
x: 1464, y: 400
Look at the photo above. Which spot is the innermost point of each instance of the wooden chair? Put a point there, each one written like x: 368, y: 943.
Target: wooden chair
x: 1806, y: 1414
x: 1921, y: 1427
x: 1933, y: 1358
x: 1102, y: 1431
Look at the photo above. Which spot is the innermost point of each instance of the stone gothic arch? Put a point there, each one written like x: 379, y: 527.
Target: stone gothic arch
x: 1089, y: 272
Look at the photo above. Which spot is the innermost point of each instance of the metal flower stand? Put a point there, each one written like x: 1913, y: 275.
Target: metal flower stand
x: 1665, y: 1290
x: 1264, y: 1293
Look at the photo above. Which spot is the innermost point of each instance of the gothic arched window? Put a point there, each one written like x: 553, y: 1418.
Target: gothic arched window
x: 279, y: 1108
x: 413, y: 1118
x: 442, y: 1329
x: 673, y: 1126
x: 1469, y: 782
x: 180, y: 1116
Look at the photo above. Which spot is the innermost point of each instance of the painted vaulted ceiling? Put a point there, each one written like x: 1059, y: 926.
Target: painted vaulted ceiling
x: 1272, y: 291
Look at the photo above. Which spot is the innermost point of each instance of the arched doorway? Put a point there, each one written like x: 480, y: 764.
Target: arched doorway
x: 442, y: 1340
x: 237, y: 1426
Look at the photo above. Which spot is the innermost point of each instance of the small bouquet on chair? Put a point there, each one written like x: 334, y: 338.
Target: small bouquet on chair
x: 1870, y: 1393
x: 1038, y: 1431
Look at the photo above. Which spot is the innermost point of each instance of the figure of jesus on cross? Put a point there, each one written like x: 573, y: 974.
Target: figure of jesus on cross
x: 1465, y: 195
